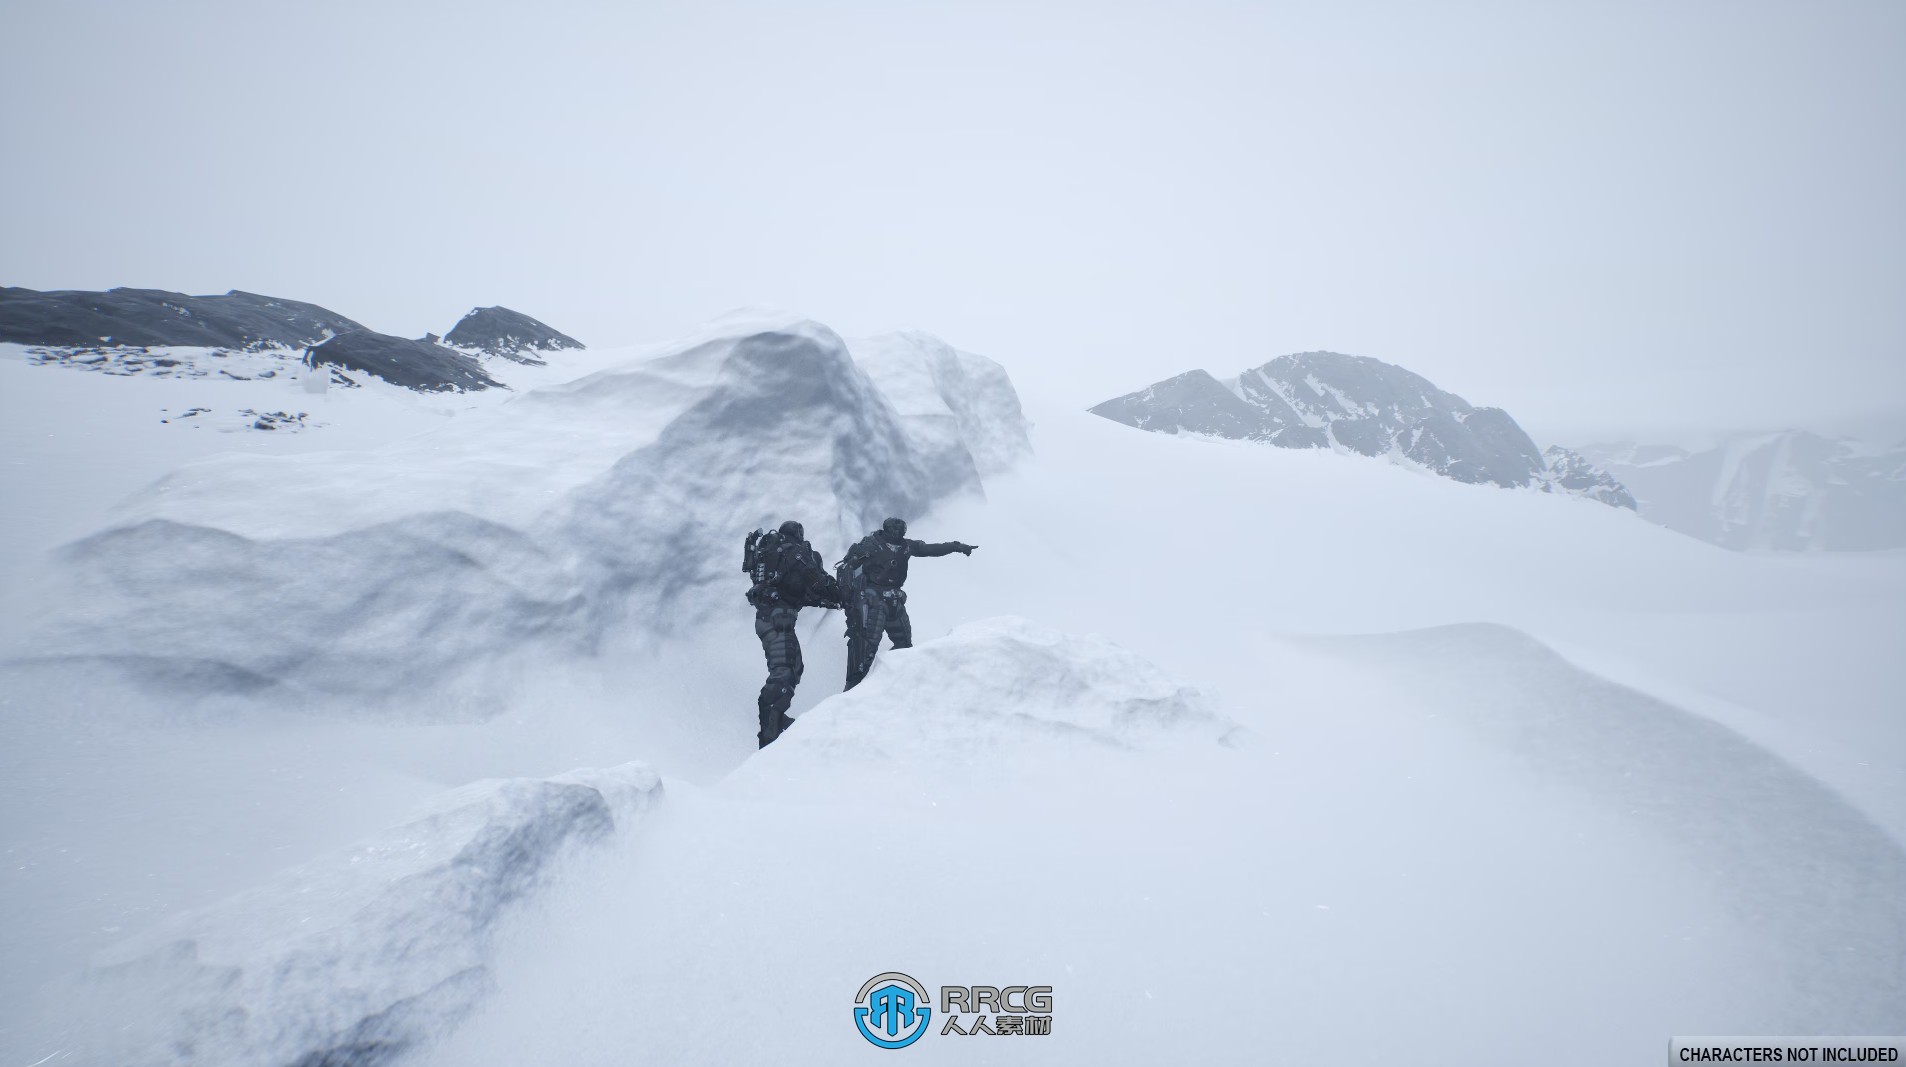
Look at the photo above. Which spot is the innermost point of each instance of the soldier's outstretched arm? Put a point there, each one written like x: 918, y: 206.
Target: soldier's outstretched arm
x: 944, y: 548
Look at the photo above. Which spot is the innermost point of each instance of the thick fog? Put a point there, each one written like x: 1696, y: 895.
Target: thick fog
x: 1605, y: 217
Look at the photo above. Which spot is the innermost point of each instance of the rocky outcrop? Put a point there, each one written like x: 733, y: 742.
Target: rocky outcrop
x: 498, y: 331
x: 419, y: 365
x: 1571, y: 472
x: 145, y: 317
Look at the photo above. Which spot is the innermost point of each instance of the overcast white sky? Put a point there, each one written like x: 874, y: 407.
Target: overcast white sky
x: 1601, y: 216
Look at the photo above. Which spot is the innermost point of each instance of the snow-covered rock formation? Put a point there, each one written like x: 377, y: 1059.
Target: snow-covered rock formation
x: 1354, y: 404
x: 949, y: 399
x: 1570, y: 472
x: 499, y: 331
x: 354, y: 957
x: 1789, y: 491
x: 618, y: 499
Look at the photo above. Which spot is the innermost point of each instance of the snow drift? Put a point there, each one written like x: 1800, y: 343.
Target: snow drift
x: 988, y: 700
x: 439, y: 563
x: 355, y: 957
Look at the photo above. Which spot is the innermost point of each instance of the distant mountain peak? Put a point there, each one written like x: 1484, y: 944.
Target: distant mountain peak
x: 1359, y: 404
x: 1786, y: 490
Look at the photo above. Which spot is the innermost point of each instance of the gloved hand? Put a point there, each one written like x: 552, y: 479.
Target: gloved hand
x: 966, y: 550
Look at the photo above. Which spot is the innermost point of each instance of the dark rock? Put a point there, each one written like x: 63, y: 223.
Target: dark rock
x: 511, y: 334
x: 137, y: 317
x: 417, y: 365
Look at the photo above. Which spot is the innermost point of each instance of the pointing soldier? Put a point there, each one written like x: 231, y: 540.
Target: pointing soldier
x: 870, y: 579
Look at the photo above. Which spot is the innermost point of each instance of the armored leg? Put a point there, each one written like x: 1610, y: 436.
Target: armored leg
x: 775, y: 627
x: 866, y: 620
x: 899, y: 626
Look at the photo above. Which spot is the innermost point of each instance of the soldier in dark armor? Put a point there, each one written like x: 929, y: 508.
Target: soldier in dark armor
x: 788, y: 576
x: 870, y: 579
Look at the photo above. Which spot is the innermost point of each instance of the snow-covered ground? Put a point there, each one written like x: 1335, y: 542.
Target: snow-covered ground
x: 1250, y: 754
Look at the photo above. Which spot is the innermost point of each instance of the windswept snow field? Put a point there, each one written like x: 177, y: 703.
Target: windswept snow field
x: 1252, y: 755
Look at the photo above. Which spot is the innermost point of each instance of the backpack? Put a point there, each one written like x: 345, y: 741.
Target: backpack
x: 761, y: 557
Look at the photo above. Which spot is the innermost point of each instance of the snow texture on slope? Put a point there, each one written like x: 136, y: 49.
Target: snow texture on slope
x: 443, y: 562
x: 354, y: 958
x: 1349, y: 403
x: 138, y: 317
x: 499, y: 331
x: 1792, y: 491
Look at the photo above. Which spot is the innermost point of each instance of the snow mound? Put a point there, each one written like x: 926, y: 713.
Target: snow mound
x: 989, y: 698
x: 447, y: 561
x: 1819, y: 882
x: 356, y: 957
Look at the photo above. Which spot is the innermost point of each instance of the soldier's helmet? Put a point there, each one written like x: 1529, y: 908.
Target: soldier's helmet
x: 793, y: 531
x: 895, y: 529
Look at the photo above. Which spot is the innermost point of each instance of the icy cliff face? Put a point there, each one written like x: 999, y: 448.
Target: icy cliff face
x: 358, y: 956
x: 618, y: 499
x: 1791, y: 491
x: 1352, y: 403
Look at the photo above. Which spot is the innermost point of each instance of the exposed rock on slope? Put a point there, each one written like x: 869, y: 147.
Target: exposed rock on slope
x: 420, y: 365
x: 1353, y: 403
x: 499, y: 331
x: 1570, y: 472
x: 137, y: 317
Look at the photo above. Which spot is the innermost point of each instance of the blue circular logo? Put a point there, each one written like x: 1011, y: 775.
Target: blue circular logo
x: 892, y: 1010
